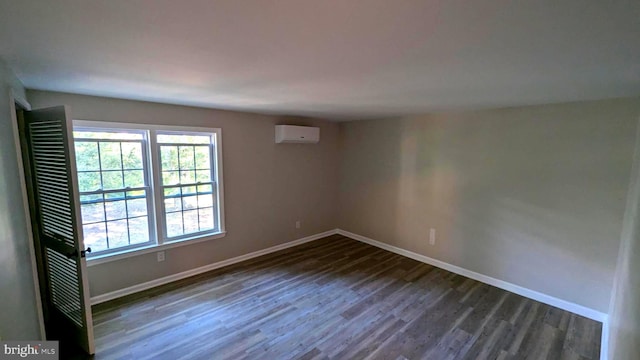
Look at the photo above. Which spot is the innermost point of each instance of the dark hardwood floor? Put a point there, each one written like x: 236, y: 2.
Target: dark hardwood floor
x: 337, y: 298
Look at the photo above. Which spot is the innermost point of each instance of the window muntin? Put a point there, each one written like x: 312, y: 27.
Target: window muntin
x: 185, y: 204
x: 113, y: 187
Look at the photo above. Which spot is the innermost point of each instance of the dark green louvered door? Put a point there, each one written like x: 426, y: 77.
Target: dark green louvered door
x: 48, y: 134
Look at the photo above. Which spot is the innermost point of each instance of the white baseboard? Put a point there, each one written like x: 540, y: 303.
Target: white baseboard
x: 531, y: 294
x: 185, y: 274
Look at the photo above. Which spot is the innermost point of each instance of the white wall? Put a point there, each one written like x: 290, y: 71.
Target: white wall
x: 18, y: 311
x: 534, y: 196
x: 624, y: 318
x: 267, y: 186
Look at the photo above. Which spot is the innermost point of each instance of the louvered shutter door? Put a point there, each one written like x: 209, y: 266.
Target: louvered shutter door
x: 49, y: 134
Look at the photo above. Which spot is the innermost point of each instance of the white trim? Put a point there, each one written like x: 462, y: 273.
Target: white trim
x: 157, y: 201
x: 142, y: 126
x: 13, y: 99
x: 531, y: 294
x: 220, y: 179
x: 155, y: 194
x: 185, y: 274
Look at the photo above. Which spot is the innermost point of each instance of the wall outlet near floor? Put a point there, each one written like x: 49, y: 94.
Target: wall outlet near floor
x: 160, y: 256
x: 298, y: 224
x: 432, y: 236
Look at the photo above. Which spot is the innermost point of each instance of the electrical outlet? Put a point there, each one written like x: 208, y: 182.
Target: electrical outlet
x: 432, y: 236
x: 160, y: 256
x: 298, y: 224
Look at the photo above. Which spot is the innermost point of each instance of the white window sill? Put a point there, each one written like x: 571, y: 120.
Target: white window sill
x: 101, y: 259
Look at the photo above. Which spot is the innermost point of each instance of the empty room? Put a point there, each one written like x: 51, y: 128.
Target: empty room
x: 295, y: 179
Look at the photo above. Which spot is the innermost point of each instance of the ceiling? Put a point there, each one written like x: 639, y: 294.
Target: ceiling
x: 337, y: 59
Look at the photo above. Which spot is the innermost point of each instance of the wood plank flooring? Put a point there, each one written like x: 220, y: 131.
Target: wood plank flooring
x: 337, y: 298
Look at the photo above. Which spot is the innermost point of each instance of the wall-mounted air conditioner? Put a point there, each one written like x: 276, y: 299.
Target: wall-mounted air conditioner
x: 297, y: 134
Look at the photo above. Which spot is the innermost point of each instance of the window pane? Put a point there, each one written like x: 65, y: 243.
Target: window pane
x: 183, y: 139
x: 174, y: 224
x: 188, y: 190
x: 139, y: 230
x: 190, y: 221
x: 187, y: 177
x: 136, y: 193
x: 89, y: 181
x: 132, y: 155
x: 91, y: 198
x: 187, y: 158
x: 134, y: 178
x: 206, y: 219
x: 203, y: 175
x: 205, y: 200
x: 92, y: 212
x: 110, y: 156
x: 170, y: 177
x: 118, y: 233
x: 172, y: 200
x: 136, y: 207
x: 112, y: 180
x: 87, y: 156
x: 192, y: 209
x: 95, y: 236
x: 189, y: 202
x: 205, y: 196
x: 116, y: 210
x: 202, y: 157
x: 169, y: 157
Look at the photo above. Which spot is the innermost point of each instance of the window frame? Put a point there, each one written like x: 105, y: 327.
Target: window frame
x: 151, y: 213
x: 160, y: 187
x: 155, y: 197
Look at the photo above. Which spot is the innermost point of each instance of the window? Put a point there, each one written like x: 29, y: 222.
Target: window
x: 145, y: 186
x: 114, y: 191
x: 187, y: 183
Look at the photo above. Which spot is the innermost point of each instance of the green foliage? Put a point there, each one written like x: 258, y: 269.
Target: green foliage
x: 179, y: 164
x: 121, y: 164
x: 169, y: 158
x: 87, y: 156
x: 187, y: 158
